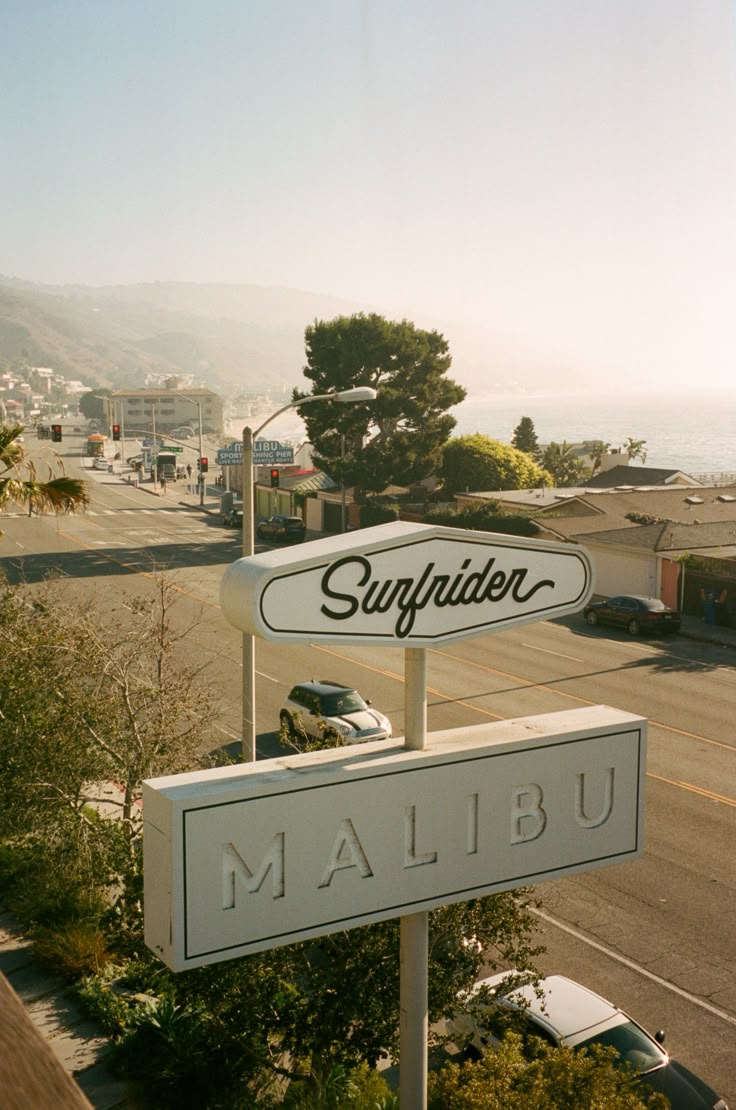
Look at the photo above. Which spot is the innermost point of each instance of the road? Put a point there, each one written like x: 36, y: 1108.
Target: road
x: 655, y: 935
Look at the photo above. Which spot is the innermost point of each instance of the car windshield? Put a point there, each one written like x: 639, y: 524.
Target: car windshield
x: 335, y: 705
x: 632, y: 1045
x: 654, y: 605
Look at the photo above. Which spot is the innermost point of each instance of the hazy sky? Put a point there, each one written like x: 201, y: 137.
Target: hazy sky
x: 560, y: 174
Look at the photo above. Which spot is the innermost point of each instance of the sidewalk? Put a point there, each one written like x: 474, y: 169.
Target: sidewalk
x: 696, y: 629
x: 77, y: 1042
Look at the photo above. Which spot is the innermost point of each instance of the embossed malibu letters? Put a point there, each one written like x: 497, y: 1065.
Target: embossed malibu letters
x: 413, y: 584
x: 269, y: 853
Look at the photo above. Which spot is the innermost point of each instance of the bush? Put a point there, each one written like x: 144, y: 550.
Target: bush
x: 486, y: 517
x: 72, y: 948
x: 371, y: 514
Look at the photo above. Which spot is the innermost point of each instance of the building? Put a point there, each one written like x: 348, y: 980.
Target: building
x: 166, y: 408
x: 669, y: 541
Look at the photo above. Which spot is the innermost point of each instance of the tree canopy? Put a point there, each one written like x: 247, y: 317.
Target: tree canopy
x: 396, y: 439
x: 477, y: 462
x: 525, y: 437
x: 91, y: 404
x: 20, y: 481
x: 508, y: 1078
x: 636, y: 449
x: 566, y: 468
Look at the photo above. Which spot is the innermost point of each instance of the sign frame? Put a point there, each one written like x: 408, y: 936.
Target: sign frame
x: 522, y: 776
x: 305, y: 595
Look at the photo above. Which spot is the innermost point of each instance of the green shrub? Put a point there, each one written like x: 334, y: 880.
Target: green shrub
x: 484, y: 518
x: 72, y: 949
x: 371, y: 514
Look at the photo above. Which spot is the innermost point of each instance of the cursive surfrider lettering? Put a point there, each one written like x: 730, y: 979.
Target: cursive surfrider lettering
x: 408, y: 596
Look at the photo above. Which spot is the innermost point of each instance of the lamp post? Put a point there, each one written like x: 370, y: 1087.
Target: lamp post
x: 345, y: 396
x: 193, y: 401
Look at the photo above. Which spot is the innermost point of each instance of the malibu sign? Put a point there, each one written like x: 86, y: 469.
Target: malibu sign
x: 416, y: 585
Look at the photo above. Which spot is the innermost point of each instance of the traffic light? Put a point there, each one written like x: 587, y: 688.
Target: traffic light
x: 204, y: 464
x: 274, y: 477
x: 116, y: 431
x: 56, y: 433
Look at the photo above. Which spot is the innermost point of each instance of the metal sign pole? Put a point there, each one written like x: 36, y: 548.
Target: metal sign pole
x: 249, y: 643
x: 414, y: 928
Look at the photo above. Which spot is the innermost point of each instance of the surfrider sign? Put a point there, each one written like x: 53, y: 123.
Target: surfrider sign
x: 245, y: 858
x: 410, y: 584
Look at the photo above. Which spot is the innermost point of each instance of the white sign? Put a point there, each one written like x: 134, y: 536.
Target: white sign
x: 402, y: 583
x: 245, y: 858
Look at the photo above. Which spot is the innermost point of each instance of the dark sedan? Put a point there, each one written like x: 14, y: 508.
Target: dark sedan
x: 284, y: 529
x: 636, y: 614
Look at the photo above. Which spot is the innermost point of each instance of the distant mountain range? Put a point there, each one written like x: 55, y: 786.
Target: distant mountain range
x: 230, y: 337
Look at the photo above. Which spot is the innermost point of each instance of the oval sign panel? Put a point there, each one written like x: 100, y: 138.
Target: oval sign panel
x: 413, y: 585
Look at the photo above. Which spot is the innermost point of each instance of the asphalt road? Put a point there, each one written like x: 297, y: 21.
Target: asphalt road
x: 655, y: 936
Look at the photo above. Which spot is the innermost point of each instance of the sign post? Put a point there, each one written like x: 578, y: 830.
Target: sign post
x: 232, y: 867
x: 414, y: 928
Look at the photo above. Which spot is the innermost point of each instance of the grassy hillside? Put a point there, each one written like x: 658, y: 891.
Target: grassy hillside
x: 230, y: 337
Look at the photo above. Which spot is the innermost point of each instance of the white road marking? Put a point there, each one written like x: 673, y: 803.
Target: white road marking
x: 559, y: 654
x: 636, y: 967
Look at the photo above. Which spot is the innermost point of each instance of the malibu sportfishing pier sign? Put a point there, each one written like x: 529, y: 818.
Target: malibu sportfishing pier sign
x: 241, y: 859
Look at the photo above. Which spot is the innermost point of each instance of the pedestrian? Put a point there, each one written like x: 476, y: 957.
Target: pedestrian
x: 163, y: 483
x: 189, y: 470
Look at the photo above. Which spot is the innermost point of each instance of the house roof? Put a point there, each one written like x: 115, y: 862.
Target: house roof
x: 661, y: 537
x: 638, y: 476
x: 162, y: 391
x: 609, y: 509
x: 309, y: 481
x: 527, y: 498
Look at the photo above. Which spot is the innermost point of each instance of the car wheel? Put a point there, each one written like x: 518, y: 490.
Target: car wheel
x: 287, y: 722
x: 634, y: 627
x: 592, y: 617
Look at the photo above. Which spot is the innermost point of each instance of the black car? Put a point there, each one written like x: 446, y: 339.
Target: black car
x: 635, y: 614
x: 287, y: 529
x: 233, y: 519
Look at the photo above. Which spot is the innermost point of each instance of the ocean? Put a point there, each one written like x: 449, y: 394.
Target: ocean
x: 696, y: 433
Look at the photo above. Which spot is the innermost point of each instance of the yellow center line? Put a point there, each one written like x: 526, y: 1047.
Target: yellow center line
x: 525, y: 682
x: 575, y: 697
x: 695, y: 789
x: 134, y: 568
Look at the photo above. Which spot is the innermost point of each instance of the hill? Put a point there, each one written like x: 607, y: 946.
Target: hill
x: 229, y: 336
x: 232, y: 338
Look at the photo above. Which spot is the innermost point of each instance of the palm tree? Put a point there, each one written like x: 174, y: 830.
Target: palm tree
x: 19, y: 481
x: 596, y: 452
x: 560, y: 460
x: 636, y: 449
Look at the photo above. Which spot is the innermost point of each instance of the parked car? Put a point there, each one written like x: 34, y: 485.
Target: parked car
x: 567, y: 1013
x: 233, y: 519
x: 311, y: 707
x: 635, y: 614
x: 289, y: 529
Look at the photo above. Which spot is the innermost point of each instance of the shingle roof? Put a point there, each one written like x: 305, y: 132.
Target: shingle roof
x: 666, y: 503
x: 663, y: 536
x: 636, y: 476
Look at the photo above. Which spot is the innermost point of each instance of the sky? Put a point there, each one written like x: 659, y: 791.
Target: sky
x: 555, y: 179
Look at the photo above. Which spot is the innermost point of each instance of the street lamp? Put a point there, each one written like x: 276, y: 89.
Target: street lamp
x: 345, y: 396
x: 193, y: 401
